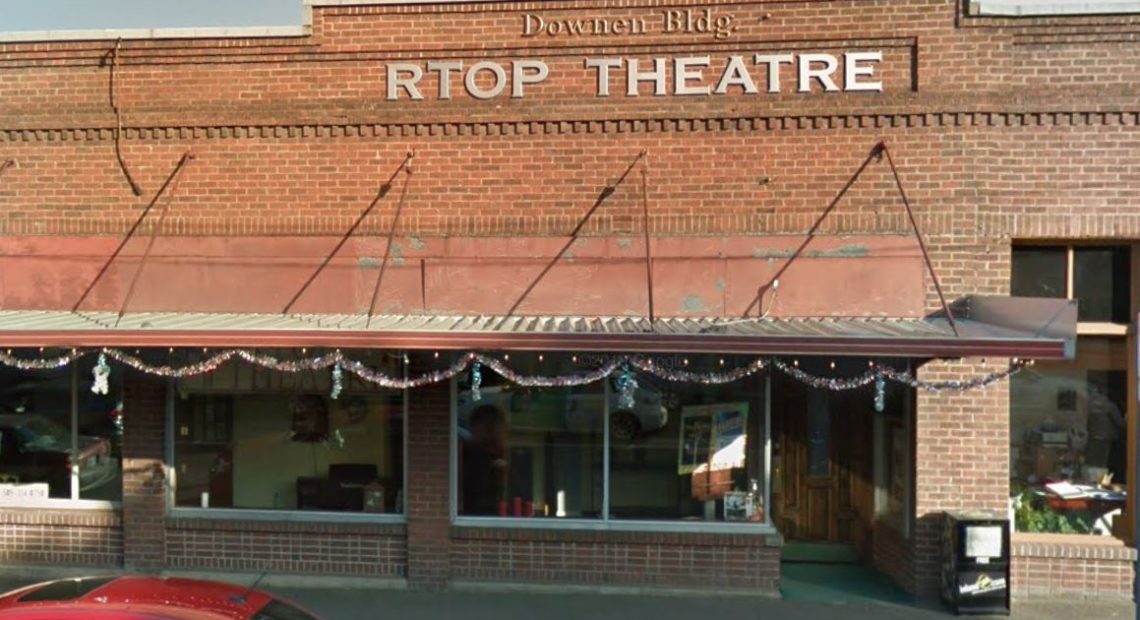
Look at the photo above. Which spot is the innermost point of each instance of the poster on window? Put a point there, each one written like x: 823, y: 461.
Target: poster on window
x: 712, y: 437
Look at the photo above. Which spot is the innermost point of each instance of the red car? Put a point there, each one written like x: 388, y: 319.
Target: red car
x: 145, y: 598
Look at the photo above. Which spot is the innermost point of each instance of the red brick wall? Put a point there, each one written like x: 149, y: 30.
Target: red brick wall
x: 331, y: 549
x: 1065, y: 567
x: 144, y: 475
x: 428, y: 495
x: 61, y: 538
x: 891, y: 555
x: 634, y: 559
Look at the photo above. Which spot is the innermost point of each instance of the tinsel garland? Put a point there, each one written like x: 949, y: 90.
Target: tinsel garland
x: 619, y: 364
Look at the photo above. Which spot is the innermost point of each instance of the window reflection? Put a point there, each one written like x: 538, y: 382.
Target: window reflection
x: 1069, y: 448
x: 530, y: 452
x: 37, y: 433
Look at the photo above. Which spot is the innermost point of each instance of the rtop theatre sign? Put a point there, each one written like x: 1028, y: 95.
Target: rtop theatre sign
x: 616, y: 76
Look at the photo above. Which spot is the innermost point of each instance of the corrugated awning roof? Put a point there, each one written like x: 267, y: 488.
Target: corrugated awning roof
x: 1031, y: 328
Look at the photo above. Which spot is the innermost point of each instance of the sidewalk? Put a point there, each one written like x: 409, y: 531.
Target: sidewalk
x: 376, y: 604
x: 370, y: 605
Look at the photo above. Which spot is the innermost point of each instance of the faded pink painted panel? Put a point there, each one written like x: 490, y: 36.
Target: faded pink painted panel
x: 699, y: 276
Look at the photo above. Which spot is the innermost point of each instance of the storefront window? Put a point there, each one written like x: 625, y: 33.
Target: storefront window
x: 1069, y: 442
x: 47, y: 423
x: 262, y: 440
x: 534, y: 452
x: 693, y: 452
x: 676, y: 451
x: 1068, y: 419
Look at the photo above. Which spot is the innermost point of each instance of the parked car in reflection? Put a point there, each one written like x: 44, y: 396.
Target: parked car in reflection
x: 33, y: 448
x: 139, y: 597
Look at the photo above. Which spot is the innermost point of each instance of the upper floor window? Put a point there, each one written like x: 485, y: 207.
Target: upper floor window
x: 1047, y: 8
x: 1096, y: 276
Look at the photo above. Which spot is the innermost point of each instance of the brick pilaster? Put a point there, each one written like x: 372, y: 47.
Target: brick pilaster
x: 428, y: 489
x: 144, y: 482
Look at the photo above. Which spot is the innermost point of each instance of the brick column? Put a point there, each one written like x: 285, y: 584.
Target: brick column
x: 961, y: 458
x: 144, y: 482
x: 428, y: 492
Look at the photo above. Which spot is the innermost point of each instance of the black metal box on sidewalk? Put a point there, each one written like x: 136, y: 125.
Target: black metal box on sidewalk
x: 975, y: 562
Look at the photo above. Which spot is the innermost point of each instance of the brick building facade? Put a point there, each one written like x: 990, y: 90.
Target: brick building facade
x: 1004, y: 131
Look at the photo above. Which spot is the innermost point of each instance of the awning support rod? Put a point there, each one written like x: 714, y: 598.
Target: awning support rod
x: 384, y: 189
x: 186, y: 158
x: 607, y: 191
x: 648, y: 246
x: 388, y: 247
x: 759, y: 299
x: 131, y: 232
x: 918, y: 233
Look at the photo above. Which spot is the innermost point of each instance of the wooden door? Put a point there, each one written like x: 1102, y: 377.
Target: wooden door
x: 822, y: 440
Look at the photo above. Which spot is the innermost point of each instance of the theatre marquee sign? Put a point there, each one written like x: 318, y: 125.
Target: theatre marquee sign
x: 689, y: 75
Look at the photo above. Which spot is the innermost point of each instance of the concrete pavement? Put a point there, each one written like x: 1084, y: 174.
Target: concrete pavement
x: 370, y: 605
x: 347, y: 603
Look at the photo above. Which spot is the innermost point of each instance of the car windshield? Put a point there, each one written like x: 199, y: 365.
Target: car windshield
x: 277, y: 610
x: 39, y: 432
x: 66, y: 590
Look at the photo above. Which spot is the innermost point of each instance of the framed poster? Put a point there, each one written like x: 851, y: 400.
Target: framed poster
x: 712, y: 436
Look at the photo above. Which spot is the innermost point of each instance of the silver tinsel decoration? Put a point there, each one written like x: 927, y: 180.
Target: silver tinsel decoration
x: 476, y: 381
x: 337, y: 382
x: 622, y: 364
x: 627, y: 386
x: 880, y: 393
x: 102, y: 375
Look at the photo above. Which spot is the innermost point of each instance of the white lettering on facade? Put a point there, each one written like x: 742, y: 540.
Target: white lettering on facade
x: 534, y: 25
x: 774, y: 61
x: 684, y: 76
x: 471, y: 80
x: 823, y: 74
x: 444, y: 68
x: 736, y: 74
x: 688, y: 21
x: 398, y: 79
x: 852, y: 71
x: 527, y: 72
x: 635, y: 77
x: 603, y: 65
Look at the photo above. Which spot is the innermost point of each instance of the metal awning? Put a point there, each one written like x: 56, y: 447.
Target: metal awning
x: 996, y: 326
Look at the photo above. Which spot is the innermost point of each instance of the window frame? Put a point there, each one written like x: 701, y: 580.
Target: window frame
x: 1055, y: 8
x: 75, y: 502
x: 279, y: 516
x: 606, y: 522
x: 1120, y: 329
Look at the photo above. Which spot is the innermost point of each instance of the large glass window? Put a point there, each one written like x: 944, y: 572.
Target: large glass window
x: 675, y: 451
x: 1068, y: 419
x: 692, y: 451
x: 248, y: 438
x: 58, y: 440
x: 531, y: 452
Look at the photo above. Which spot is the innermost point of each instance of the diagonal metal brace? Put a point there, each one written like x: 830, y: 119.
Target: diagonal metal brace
x: 604, y: 195
x: 186, y: 157
x: 384, y: 190
x: 882, y: 146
